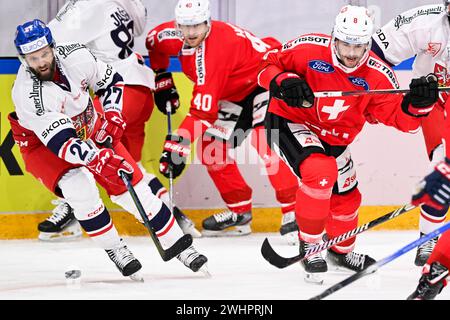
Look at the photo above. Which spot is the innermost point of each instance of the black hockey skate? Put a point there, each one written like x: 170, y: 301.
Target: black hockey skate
x: 424, y: 251
x: 315, y: 266
x: 289, y: 228
x: 431, y: 283
x: 351, y: 261
x: 61, y: 225
x: 125, y: 261
x: 227, y: 223
x: 186, y: 224
x: 193, y: 260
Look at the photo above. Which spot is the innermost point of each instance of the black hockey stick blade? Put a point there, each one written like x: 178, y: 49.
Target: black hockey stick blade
x: 281, y: 262
x: 274, y: 258
x: 182, y: 244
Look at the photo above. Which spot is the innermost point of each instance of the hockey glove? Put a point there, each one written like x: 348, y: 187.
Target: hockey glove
x: 173, y: 157
x: 112, y: 128
x: 434, y: 189
x: 166, y: 92
x: 422, y: 96
x: 109, y: 165
x: 293, y: 90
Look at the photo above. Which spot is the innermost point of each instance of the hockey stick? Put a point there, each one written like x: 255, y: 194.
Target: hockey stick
x: 166, y: 254
x: 281, y: 262
x: 374, y: 267
x: 330, y: 94
x: 169, y: 131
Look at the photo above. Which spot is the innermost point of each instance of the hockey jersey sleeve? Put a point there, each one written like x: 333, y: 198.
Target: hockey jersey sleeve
x: 106, y: 83
x: 387, y: 109
x: 401, y: 37
x: 74, y: 18
x: 287, y: 57
x: 162, y: 42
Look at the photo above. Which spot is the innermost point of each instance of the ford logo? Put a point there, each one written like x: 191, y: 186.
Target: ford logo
x: 321, y: 66
x: 359, y: 82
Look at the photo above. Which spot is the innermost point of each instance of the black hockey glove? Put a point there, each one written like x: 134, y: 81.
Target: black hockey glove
x: 293, y: 90
x: 173, y: 157
x: 166, y: 92
x: 422, y: 96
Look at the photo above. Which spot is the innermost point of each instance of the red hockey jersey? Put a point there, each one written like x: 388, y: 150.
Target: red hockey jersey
x: 337, y: 120
x: 223, y: 67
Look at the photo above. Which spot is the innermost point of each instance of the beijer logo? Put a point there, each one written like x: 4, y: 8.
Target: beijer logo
x: 321, y: 66
x: 359, y: 82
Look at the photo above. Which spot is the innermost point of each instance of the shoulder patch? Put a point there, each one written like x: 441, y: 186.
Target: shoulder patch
x: 383, y: 69
x: 65, y: 50
x: 308, y: 39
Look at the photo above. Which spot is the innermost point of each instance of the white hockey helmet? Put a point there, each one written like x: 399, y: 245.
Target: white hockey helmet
x: 446, y: 4
x: 353, y: 25
x: 192, y: 12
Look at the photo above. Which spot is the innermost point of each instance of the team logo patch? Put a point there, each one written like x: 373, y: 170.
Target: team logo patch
x: 321, y: 66
x: 360, y: 82
x: 434, y: 48
x: 442, y: 75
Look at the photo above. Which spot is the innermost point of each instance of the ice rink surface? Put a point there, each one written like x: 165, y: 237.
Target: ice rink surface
x: 34, y: 270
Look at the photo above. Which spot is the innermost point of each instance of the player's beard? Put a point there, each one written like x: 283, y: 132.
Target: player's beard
x: 46, y: 75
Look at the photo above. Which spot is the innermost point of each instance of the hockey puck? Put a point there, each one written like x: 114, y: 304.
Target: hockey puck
x: 72, y: 274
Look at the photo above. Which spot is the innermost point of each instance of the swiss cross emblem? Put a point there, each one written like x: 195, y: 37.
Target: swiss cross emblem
x: 333, y: 112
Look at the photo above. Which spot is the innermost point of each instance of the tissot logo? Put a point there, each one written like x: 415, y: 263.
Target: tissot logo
x: 7, y: 156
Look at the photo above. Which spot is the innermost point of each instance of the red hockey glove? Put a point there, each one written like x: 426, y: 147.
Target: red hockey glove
x: 112, y: 128
x: 166, y: 92
x: 174, y: 154
x: 434, y: 189
x: 109, y: 165
x: 422, y: 96
x: 293, y: 90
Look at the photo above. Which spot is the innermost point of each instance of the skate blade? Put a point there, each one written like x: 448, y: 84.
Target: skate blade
x: 192, y: 231
x: 291, y: 238
x: 204, y: 270
x: 59, y: 236
x: 314, y: 278
x: 137, y: 276
x: 235, y: 231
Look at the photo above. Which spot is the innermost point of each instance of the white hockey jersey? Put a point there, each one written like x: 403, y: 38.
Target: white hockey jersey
x: 423, y: 31
x: 108, y: 29
x: 58, y: 112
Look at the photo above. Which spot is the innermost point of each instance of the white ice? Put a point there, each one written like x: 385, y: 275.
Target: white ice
x: 30, y: 269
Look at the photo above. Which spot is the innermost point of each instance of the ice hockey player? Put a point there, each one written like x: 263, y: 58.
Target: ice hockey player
x: 108, y: 29
x: 422, y: 32
x: 314, y: 134
x: 61, y: 137
x: 434, y: 191
x: 222, y: 61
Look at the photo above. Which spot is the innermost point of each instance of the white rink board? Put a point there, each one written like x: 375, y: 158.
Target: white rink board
x: 34, y: 270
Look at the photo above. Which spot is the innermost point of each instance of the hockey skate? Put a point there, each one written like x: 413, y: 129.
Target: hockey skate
x: 61, y: 225
x: 125, y: 261
x: 289, y: 228
x: 194, y: 260
x: 424, y: 251
x: 314, y: 266
x: 227, y: 223
x: 349, y: 261
x: 186, y: 224
x: 433, y: 280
